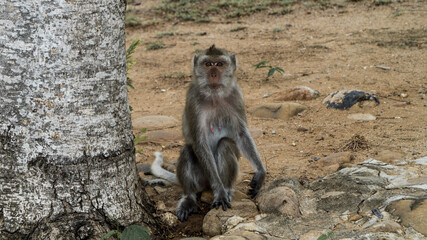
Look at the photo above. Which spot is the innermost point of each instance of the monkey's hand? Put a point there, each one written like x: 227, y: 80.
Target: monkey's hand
x: 256, y: 183
x: 221, y: 199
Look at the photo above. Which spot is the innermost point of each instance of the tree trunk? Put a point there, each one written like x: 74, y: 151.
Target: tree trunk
x: 67, y: 161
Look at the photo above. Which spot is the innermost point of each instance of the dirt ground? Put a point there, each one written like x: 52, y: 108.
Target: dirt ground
x: 326, y: 50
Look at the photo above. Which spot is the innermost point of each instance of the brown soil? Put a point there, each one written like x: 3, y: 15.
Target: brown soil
x: 326, y: 50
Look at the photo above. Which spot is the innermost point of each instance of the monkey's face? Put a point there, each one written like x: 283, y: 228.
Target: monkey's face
x: 215, y: 72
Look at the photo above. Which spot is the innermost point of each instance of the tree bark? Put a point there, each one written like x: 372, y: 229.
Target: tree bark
x: 67, y: 161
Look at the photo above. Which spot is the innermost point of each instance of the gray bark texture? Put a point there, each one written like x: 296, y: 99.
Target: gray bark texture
x: 67, y: 162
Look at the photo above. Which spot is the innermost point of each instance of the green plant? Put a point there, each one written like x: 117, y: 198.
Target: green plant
x: 277, y: 30
x: 129, y: 61
x: 382, y: 2
x: 318, y: 46
x: 326, y: 236
x: 271, y: 70
x: 398, y: 12
x: 132, y: 20
x: 165, y: 34
x: 194, y: 43
x: 132, y: 232
x: 285, y: 11
x: 139, y: 138
x: 239, y: 28
x: 155, y: 45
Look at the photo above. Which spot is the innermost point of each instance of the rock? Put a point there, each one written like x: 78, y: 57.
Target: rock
x: 194, y: 238
x: 412, y: 213
x: 231, y: 222
x: 160, y: 205
x: 215, y: 218
x: 163, y: 136
x: 246, y: 235
x: 337, y: 201
x: 386, y: 226
x: 421, y: 161
x: 313, y: 234
x: 280, y: 200
x: 154, y: 122
x: 239, y: 235
x: 361, y: 117
x: 248, y: 226
x: 292, y: 228
x: 296, y: 93
x: 169, y: 218
x: 335, y: 158
x: 282, y: 111
x: 256, y: 132
x: 345, y: 99
x: 238, y: 195
x: 355, y: 217
x: 388, y: 156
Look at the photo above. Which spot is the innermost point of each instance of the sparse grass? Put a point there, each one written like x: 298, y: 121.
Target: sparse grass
x: 194, y: 43
x: 176, y: 75
x: 398, y: 12
x: 132, y: 20
x: 155, y: 45
x: 308, y: 4
x: 200, y: 11
x: 285, y: 11
x: 203, y: 10
x: 165, y: 34
x: 139, y: 138
x: 382, y: 2
x: 239, y: 28
x: 318, y: 47
x: 277, y: 30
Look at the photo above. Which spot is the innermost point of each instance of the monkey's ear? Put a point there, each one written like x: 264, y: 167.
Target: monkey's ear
x: 234, y: 61
x: 195, y: 60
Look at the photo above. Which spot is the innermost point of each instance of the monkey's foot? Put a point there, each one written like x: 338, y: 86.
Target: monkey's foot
x: 222, y: 201
x: 186, y: 207
x: 256, y: 184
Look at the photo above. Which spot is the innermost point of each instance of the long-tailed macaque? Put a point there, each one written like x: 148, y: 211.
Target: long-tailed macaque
x: 215, y: 130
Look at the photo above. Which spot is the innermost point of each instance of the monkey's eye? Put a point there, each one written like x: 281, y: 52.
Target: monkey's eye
x: 219, y: 64
x: 209, y: 64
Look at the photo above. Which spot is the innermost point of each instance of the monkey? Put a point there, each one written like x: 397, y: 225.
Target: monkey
x: 215, y: 129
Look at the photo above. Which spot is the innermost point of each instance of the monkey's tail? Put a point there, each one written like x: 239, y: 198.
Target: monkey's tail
x: 158, y: 171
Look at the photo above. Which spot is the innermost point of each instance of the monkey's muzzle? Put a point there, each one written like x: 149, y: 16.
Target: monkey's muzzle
x: 214, y: 86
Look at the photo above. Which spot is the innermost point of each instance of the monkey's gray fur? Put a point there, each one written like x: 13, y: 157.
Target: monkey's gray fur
x: 215, y: 129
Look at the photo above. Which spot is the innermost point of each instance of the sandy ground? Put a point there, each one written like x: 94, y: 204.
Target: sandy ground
x: 354, y: 41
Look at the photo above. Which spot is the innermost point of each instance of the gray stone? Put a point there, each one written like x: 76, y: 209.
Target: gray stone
x: 215, y: 218
x: 154, y: 122
x: 386, y: 226
x: 194, y: 238
x: 296, y: 93
x: 282, y: 111
x: 421, y: 161
x: 280, y: 200
x: 412, y: 213
x: 169, y: 218
x: 256, y: 132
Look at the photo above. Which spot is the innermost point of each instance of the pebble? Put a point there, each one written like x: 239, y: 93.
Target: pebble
x: 361, y: 117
